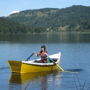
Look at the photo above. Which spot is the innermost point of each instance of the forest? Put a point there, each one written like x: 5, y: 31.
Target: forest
x: 74, y: 18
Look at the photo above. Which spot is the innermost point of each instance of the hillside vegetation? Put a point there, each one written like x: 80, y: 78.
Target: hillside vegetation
x: 75, y: 18
x: 11, y: 27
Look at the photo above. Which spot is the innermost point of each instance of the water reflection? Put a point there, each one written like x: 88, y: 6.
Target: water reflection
x: 48, y: 38
x: 30, y: 80
x: 44, y: 83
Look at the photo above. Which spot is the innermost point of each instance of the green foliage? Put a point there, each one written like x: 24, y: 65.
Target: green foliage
x: 11, y: 27
x: 75, y: 18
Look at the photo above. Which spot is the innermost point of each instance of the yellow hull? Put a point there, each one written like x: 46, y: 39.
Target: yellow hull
x: 19, y: 67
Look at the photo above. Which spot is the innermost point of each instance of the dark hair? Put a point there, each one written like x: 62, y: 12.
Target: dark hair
x: 43, y: 46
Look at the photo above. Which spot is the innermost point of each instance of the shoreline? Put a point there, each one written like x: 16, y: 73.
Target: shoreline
x: 78, y: 32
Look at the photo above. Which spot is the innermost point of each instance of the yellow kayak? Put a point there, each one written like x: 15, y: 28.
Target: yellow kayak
x: 33, y: 66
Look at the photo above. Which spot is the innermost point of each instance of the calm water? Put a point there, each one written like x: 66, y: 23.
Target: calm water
x: 75, y: 48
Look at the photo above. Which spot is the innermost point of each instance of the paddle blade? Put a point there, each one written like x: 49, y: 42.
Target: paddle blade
x: 60, y: 68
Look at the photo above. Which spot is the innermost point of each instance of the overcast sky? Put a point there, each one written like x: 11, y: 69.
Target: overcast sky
x: 11, y: 6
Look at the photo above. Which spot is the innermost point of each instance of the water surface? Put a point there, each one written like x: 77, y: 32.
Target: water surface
x: 75, y: 48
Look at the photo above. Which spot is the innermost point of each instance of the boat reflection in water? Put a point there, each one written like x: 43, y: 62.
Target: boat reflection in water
x: 31, y: 80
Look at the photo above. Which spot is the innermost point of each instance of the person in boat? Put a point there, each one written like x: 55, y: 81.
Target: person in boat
x: 43, y: 53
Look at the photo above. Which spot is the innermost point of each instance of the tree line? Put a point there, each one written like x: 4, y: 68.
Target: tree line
x: 75, y: 18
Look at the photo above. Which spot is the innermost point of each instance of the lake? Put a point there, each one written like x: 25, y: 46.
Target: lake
x: 75, y: 49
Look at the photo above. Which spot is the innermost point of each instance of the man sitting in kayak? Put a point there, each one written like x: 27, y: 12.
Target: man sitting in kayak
x: 43, y: 53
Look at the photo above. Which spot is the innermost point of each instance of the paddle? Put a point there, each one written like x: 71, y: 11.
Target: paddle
x: 64, y: 70
x: 59, y: 66
x: 55, y: 63
x: 29, y: 57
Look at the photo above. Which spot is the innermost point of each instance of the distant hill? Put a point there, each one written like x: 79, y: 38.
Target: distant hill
x: 11, y: 27
x: 75, y: 18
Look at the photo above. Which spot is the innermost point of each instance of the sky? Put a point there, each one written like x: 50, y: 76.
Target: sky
x: 11, y: 6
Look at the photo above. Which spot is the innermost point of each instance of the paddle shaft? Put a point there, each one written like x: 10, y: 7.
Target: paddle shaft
x: 56, y: 64
x: 60, y: 68
x: 29, y: 57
